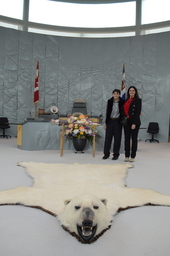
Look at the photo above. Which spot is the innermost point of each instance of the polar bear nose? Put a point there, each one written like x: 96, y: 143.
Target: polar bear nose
x: 87, y: 223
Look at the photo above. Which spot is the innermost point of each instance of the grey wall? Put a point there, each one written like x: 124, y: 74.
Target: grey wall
x: 84, y: 68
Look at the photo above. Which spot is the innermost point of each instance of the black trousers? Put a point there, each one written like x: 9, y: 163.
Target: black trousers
x: 131, y: 135
x: 113, y: 129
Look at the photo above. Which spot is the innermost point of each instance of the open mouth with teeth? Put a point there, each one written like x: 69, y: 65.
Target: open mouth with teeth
x: 87, y: 231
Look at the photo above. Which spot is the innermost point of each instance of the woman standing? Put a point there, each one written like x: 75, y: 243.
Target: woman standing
x: 132, y: 109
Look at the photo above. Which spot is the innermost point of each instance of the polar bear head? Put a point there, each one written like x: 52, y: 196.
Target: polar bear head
x: 86, y: 217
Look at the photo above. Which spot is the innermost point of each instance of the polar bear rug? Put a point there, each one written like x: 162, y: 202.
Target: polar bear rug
x: 83, y: 197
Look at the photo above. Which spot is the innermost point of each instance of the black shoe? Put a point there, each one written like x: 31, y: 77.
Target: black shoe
x: 105, y: 157
x: 115, y: 157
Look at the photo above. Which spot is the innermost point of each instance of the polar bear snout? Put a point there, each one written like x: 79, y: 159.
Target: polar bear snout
x: 86, y: 227
x: 87, y: 223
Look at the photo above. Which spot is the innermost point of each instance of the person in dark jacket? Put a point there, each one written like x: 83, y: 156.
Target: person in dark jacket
x: 113, y: 126
x: 132, y: 109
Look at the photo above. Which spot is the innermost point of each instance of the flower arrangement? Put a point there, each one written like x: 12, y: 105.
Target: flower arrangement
x: 79, y: 127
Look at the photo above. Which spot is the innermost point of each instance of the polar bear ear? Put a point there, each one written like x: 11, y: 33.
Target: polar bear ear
x: 104, y: 201
x: 67, y: 201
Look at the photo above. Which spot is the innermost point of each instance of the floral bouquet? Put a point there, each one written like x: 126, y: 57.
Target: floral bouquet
x: 79, y: 127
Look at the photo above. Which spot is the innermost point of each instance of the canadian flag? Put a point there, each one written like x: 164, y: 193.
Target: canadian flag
x: 36, y: 86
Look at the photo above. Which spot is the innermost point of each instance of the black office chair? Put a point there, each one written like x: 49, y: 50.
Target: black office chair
x: 4, y: 124
x: 153, y: 128
x: 79, y: 105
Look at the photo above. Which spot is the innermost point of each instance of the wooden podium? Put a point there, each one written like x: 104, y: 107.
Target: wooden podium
x: 62, y: 142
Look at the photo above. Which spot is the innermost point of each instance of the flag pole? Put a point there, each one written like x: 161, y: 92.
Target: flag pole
x: 35, y: 108
x: 123, y: 86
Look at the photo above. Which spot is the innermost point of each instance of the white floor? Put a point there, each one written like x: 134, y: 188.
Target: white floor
x: 141, y: 231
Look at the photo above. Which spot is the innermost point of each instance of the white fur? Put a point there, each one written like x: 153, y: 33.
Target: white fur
x: 84, y: 184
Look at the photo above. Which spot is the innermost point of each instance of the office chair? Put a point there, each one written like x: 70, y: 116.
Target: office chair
x: 4, y: 124
x: 153, y: 128
x: 79, y: 105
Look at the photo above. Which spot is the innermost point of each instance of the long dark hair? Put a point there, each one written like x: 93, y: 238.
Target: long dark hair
x: 136, y: 92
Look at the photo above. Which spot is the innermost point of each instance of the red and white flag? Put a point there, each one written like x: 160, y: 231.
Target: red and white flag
x: 36, y: 86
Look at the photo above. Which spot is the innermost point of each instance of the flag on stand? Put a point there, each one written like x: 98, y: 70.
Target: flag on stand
x: 123, y: 88
x: 36, y: 86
